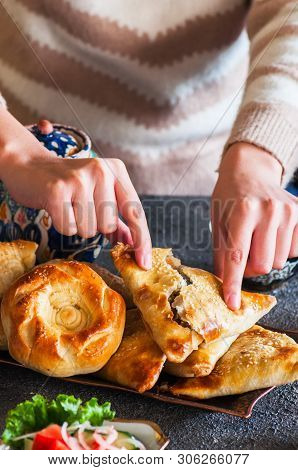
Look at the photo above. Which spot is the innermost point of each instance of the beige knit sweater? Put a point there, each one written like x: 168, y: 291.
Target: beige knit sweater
x: 159, y: 84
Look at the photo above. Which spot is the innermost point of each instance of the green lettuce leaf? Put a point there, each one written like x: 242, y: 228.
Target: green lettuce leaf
x: 26, y: 417
x: 95, y: 413
x: 34, y: 415
x: 64, y: 408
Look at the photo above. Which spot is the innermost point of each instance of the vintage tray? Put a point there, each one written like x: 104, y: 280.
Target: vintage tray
x: 237, y: 405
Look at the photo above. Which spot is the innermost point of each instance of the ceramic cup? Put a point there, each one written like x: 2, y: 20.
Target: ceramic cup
x: 19, y: 222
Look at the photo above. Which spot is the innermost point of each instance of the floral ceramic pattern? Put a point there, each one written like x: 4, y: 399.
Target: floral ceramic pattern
x: 64, y: 145
x: 19, y: 222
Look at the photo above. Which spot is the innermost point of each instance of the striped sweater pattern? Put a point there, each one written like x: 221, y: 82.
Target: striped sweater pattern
x: 162, y: 85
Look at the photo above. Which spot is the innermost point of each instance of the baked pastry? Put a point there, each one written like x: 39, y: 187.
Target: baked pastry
x: 62, y: 319
x: 184, y: 306
x: 200, y: 304
x: 16, y: 258
x: 138, y: 361
x: 114, y: 282
x: 3, y: 340
x: 202, y: 361
x: 259, y: 358
x: 152, y: 292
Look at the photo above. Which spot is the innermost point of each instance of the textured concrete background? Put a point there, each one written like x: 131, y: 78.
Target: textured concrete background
x: 183, y: 224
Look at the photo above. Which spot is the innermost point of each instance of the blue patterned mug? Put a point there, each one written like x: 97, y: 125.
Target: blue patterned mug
x: 19, y: 222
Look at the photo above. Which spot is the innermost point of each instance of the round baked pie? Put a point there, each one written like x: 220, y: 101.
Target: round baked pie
x: 16, y: 258
x: 62, y: 319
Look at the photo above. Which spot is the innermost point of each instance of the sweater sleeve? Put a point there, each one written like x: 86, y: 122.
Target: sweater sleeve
x: 268, y: 116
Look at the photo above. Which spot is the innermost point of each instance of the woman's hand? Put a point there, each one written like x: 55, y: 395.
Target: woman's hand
x: 254, y: 221
x: 83, y: 196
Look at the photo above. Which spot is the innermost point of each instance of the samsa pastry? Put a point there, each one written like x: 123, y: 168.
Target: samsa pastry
x: 16, y: 258
x: 200, y: 304
x: 184, y: 306
x: 114, y: 282
x: 152, y: 292
x: 259, y: 358
x: 62, y: 319
x: 138, y: 361
x: 202, y: 361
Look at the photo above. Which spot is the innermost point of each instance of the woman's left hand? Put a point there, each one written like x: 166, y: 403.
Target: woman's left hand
x: 254, y: 220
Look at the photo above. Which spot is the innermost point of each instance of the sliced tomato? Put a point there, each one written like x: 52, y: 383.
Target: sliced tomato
x: 58, y: 445
x: 49, y: 438
x: 94, y: 446
x: 53, y: 430
x: 42, y: 442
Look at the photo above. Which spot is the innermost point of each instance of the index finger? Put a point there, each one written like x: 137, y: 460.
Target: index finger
x: 131, y: 209
x: 236, y: 254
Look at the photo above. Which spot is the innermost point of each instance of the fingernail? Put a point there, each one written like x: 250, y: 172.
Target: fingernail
x: 147, y: 261
x: 234, y: 301
x: 45, y: 126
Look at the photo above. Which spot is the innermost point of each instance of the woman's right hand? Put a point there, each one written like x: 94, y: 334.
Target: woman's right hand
x: 83, y: 196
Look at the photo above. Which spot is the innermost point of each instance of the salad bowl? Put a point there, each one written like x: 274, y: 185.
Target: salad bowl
x: 67, y: 423
x: 147, y: 432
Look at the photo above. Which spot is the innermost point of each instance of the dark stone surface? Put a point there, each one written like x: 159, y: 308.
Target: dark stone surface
x: 183, y: 224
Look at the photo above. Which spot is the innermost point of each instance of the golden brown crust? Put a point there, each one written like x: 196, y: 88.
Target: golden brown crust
x: 259, y: 358
x: 114, y: 282
x: 204, y: 309
x: 3, y: 340
x: 138, y: 361
x: 183, y: 306
x: 62, y: 319
x: 202, y: 361
x: 16, y: 258
x: 151, y: 291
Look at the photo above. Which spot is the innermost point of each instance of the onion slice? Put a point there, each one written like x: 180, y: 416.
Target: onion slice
x: 24, y: 436
x: 102, y: 443
x: 71, y: 442
x: 81, y: 437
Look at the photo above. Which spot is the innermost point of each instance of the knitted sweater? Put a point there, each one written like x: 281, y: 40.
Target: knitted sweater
x: 162, y: 85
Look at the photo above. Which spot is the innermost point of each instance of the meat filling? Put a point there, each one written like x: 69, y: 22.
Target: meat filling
x: 175, y: 299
